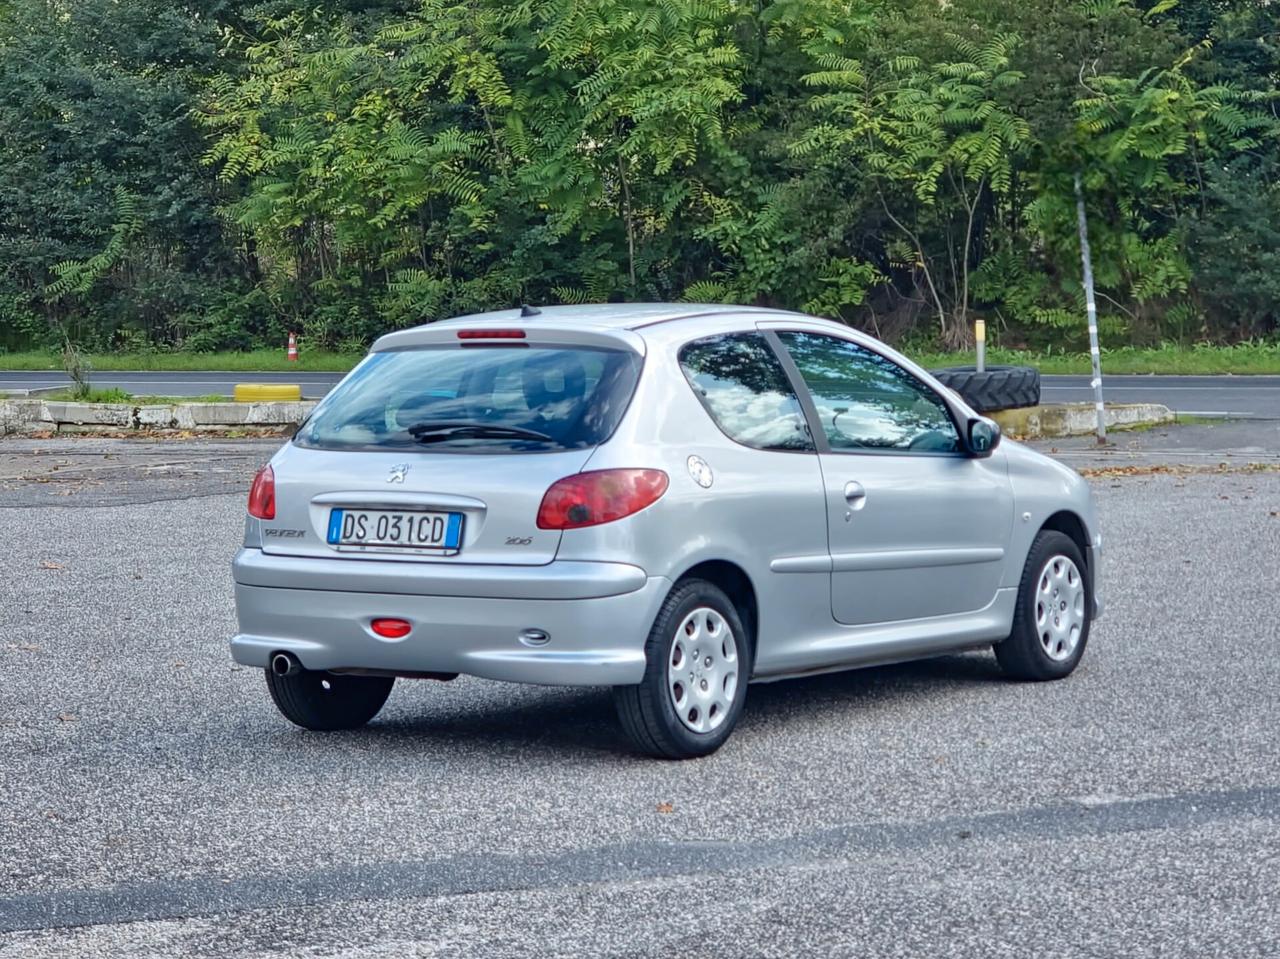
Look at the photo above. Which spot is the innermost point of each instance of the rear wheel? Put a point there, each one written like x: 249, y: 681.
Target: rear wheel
x: 1053, y: 614
x: 697, y: 665
x: 314, y: 699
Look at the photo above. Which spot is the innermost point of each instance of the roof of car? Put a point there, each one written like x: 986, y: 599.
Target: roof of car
x: 624, y: 316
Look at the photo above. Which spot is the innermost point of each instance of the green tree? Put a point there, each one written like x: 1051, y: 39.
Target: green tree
x: 98, y: 155
x: 213, y: 173
x: 939, y: 148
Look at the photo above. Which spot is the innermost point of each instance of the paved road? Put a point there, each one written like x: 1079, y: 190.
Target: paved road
x: 155, y: 804
x: 1255, y: 396
x: 314, y: 385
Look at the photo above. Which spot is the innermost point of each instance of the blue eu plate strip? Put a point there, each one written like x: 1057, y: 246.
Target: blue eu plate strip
x: 452, y: 535
x: 335, y: 525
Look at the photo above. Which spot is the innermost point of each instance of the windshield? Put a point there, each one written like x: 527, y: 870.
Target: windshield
x: 481, y: 399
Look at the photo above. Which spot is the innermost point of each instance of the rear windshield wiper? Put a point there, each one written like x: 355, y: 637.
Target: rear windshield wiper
x: 438, y: 432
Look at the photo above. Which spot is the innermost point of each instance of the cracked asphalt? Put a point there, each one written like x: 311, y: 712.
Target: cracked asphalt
x: 152, y: 802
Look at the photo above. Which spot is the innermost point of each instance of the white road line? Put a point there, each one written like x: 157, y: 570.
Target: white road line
x: 1233, y: 414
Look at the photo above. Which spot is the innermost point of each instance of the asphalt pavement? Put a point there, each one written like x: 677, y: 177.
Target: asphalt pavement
x: 154, y: 803
x: 1208, y: 396
x: 1203, y: 396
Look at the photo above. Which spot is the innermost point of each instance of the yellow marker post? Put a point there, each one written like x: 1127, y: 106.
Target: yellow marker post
x: 267, y: 393
x: 980, y: 339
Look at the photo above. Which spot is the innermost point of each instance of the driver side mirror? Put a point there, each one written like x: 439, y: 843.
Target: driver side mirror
x: 984, y: 437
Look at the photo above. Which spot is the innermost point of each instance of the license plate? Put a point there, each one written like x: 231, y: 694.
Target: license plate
x: 400, y: 530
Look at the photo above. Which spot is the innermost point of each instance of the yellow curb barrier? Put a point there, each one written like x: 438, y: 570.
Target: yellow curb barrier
x: 267, y: 393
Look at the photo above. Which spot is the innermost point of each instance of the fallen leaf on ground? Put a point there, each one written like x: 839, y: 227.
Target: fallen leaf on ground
x: 49, y: 564
x: 67, y: 717
x: 665, y: 807
x: 1159, y: 469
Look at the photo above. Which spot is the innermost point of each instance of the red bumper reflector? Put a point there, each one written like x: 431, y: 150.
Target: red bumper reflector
x: 391, y: 628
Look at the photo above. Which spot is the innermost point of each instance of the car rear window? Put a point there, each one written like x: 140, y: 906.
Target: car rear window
x: 481, y: 399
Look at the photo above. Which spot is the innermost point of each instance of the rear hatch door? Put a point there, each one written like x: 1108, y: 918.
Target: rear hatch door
x: 496, y: 499
x: 440, y: 452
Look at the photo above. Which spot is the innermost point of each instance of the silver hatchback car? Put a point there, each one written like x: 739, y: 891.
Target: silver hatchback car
x: 671, y: 500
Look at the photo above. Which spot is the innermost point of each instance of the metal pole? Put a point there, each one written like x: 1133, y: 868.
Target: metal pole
x: 980, y: 338
x: 1092, y: 306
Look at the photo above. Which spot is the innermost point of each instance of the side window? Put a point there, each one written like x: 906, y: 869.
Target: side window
x: 743, y: 386
x: 866, y: 402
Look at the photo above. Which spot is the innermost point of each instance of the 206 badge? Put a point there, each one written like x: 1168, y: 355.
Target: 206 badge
x: 701, y: 472
x: 397, y: 473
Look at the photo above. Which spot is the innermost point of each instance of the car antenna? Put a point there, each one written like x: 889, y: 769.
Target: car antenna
x: 527, y: 310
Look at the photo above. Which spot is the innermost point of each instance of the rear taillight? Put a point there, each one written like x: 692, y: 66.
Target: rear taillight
x: 262, y: 494
x: 601, y: 496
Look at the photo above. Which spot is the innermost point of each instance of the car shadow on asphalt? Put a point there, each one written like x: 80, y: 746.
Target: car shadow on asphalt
x: 555, y: 719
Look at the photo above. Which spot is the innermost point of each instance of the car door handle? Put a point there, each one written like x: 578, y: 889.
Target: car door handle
x: 854, y: 493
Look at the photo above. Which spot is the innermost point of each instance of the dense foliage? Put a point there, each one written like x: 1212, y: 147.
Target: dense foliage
x: 207, y: 175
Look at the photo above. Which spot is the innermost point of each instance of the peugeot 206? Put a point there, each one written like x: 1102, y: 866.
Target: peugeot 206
x: 671, y: 500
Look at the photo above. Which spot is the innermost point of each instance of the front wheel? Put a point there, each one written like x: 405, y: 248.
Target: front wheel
x: 314, y: 699
x: 1053, y: 613
x: 698, y: 661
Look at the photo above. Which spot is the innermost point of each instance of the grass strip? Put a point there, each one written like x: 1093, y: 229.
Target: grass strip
x: 254, y: 361
x: 114, y: 395
x: 1203, y: 360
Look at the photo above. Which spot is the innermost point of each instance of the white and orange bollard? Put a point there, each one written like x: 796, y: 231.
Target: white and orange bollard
x: 292, y: 353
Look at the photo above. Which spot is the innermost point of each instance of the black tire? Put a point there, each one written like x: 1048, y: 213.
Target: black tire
x: 314, y: 699
x: 995, y: 388
x: 648, y: 712
x: 1026, y: 653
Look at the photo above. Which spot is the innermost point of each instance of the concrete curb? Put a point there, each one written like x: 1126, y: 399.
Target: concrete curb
x: 1078, y: 419
x: 26, y: 416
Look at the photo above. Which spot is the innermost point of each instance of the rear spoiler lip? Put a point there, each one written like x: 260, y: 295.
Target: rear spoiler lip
x: 537, y: 334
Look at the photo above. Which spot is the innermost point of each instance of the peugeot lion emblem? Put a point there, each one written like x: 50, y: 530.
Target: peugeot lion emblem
x: 397, y: 473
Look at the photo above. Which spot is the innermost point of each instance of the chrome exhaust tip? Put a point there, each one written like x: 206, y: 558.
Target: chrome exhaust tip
x: 285, y: 664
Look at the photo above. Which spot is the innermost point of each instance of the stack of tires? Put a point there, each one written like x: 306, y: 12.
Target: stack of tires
x: 995, y: 388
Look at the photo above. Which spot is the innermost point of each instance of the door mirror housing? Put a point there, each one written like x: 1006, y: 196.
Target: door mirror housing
x: 984, y: 437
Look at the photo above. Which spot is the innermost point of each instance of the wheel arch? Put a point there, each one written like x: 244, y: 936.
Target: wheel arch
x: 1071, y: 525
x: 733, y: 580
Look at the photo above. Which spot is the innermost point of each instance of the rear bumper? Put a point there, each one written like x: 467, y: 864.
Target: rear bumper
x: 563, y: 580
x: 597, y: 630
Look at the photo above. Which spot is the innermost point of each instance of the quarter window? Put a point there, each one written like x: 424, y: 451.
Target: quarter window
x: 743, y: 386
x: 867, y: 402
